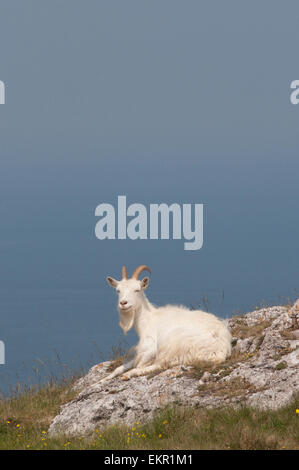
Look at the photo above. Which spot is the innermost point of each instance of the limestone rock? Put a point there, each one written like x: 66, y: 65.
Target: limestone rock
x: 263, y: 371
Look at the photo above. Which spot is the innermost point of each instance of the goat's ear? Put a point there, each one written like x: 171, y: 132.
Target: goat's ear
x: 144, y: 282
x: 111, y: 281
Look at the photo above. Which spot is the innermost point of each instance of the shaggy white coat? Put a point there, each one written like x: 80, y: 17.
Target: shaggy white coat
x: 169, y: 335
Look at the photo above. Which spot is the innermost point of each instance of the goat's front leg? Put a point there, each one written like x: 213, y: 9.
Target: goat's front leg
x: 143, y: 365
x: 119, y: 370
x: 136, y: 372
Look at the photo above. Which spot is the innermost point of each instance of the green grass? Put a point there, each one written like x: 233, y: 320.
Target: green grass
x: 26, y: 416
x: 24, y: 420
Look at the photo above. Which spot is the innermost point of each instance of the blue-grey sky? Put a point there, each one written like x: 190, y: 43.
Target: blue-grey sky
x: 169, y: 101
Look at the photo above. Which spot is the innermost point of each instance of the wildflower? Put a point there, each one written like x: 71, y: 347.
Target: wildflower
x: 8, y: 422
x: 160, y: 435
x: 44, y: 432
x: 297, y: 411
x: 164, y: 422
x: 18, y: 425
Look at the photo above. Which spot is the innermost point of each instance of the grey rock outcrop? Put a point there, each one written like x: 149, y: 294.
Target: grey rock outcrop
x: 263, y: 371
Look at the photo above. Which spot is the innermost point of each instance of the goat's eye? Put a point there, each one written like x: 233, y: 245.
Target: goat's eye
x: 118, y: 291
x: 137, y: 290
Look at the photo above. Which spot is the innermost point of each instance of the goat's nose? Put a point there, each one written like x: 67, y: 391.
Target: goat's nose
x: 123, y: 302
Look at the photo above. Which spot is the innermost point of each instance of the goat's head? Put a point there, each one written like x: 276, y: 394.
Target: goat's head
x: 130, y: 295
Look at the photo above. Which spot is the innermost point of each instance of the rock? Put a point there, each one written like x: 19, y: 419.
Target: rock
x: 295, y: 307
x: 263, y: 371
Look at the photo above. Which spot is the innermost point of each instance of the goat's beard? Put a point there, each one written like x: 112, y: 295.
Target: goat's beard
x: 126, y: 319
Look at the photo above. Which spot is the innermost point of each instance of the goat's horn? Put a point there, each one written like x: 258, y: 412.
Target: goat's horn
x: 124, y: 272
x: 138, y: 271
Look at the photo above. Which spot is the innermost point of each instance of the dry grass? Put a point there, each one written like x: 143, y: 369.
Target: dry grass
x: 242, y: 330
x: 117, y: 356
x: 283, y: 352
x: 24, y: 421
x: 220, y: 370
x: 290, y: 334
x: 236, y: 387
x: 115, y: 363
x: 225, y: 428
x: 24, y: 417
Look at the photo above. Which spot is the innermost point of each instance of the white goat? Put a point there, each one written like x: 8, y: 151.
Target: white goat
x: 169, y: 335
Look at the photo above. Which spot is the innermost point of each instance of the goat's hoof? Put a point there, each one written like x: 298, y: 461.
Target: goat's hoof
x: 125, y: 378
